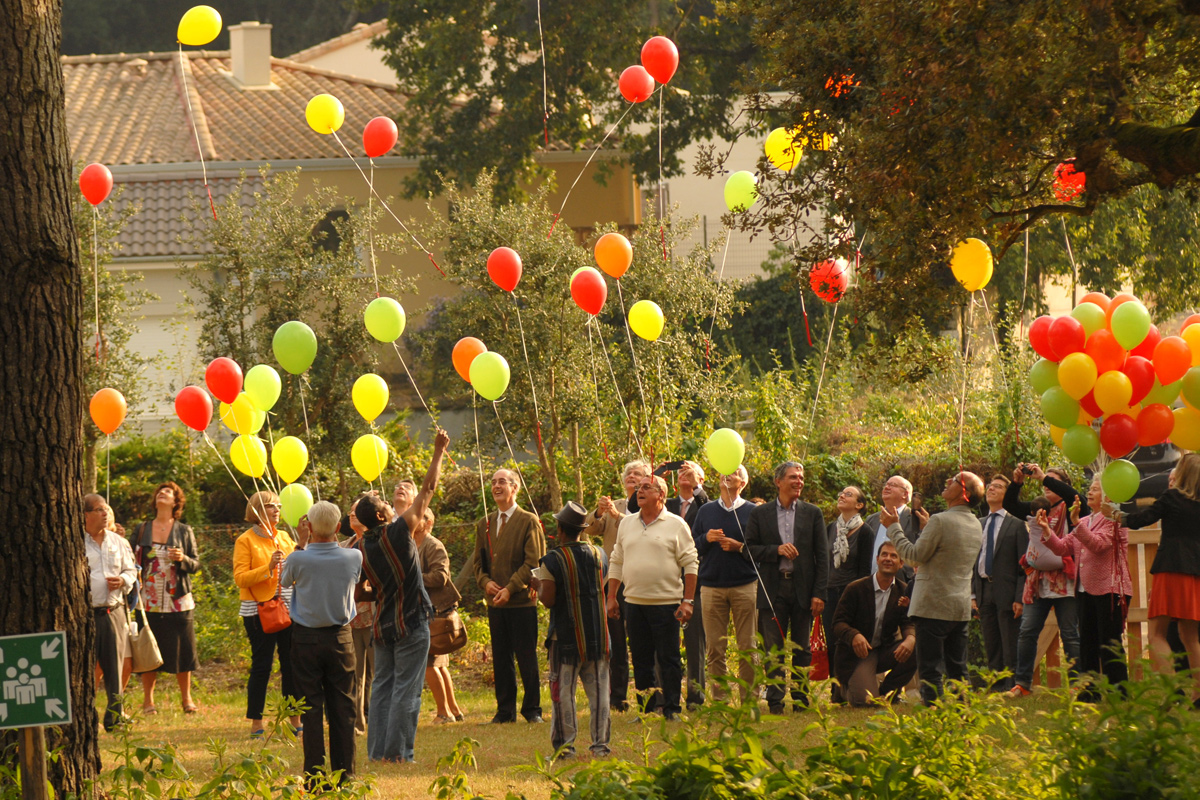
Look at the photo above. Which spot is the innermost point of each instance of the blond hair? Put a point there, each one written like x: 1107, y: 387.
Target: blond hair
x: 1187, y: 476
x: 256, y: 506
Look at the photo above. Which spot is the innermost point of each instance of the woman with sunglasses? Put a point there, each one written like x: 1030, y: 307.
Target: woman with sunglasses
x: 258, y: 556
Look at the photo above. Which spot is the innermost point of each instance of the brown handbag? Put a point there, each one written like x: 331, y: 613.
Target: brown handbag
x: 447, y: 633
x: 273, y: 615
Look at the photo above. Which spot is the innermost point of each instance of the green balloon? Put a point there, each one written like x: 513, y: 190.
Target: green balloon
x: 1191, y: 386
x: 490, y: 375
x: 295, y: 346
x: 725, y: 450
x: 262, y: 386
x: 385, y: 319
x: 1091, y: 316
x: 1167, y: 395
x: 1059, y: 408
x: 1081, y: 444
x: 1120, y: 480
x: 1130, y: 324
x: 296, y: 500
x: 1043, y: 375
x: 741, y: 191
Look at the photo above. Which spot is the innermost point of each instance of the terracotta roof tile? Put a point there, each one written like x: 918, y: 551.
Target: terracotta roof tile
x: 156, y: 229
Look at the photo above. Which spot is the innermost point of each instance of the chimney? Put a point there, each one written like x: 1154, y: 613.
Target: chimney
x: 250, y: 49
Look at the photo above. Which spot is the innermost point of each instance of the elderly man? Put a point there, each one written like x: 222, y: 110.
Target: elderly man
x: 323, y: 576
x: 653, y: 547
x: 941, y: 599
x: 788, y: 542
x: 687, y: 505
x: 998, y: 584
x: 728, y: 582
x: 508, y: 546
x: 896, y: 494
x: 873, y: 633
x: 112, y: 573
x: 602, y: 526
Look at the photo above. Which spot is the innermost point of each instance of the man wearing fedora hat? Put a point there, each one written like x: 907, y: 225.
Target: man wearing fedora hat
x: 570, y: 582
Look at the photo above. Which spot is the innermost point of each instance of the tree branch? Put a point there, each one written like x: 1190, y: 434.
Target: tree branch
x: 1037, y: 213
x: 1167, y: 153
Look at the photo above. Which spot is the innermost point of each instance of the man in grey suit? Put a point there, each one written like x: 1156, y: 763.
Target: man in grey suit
x: 999, y: 582
x: 896, y: 495
x: 945, y: 556
x: 789, y: 545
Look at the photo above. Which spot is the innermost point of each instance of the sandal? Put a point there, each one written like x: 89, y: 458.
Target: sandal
x: 192, y: 709
x: 149, y: 710
x: 258, y: 734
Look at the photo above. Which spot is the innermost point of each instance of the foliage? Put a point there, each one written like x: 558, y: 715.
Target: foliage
x: 219, y: 634
x: 474, y: 70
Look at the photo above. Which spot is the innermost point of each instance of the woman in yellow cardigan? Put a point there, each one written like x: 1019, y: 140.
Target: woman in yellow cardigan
x: 258, y: 558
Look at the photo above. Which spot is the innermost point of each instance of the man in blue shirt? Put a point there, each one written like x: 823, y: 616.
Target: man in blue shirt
x: 323, y: 576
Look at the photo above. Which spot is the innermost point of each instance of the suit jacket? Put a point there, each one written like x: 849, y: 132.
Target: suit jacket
x: 673, y: 505
x: 1008, y: 576
x: 912, y: 531
x: 811, y: 576
x: 946, y: 554
x: 855, y: 614
x: 509, y: 556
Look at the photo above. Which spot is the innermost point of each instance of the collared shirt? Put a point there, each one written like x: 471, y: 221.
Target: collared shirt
x: 684, y: 504
x: 785, y: 516
x: 323, y: 576
x: 503, y: 517
x: 881, y: 537
x: 112, y: 558
x: 985, y: 522
x: 881, y: 601
x: 737, y: 503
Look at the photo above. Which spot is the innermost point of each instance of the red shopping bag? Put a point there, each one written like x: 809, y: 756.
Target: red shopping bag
x: 820, y: 653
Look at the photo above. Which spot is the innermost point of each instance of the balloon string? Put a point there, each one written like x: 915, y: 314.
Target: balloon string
x: 528, y: 496
x: 820, y: 380
x: 962, y: 400
x: 383, y: 203
x: 617, y: 388
x: 586, y: 164
x: 221, y: 458
x: 662, y: 398
x: 716, y: 299
x: 637, y: 373
x: 308, y: 436
x: 371, y: 224
x: 487, y: 523
x: 662, y: 203
x: 96, y: 278
x: 545, y: 91
x: 184, y: 68
x: 596, y: 386
x: 1012, y: 401
x: 803, y: 307
x: 537, y: 414
x: 107, y: 465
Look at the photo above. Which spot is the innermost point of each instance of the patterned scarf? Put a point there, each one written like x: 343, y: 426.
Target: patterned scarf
x: 841, y: 544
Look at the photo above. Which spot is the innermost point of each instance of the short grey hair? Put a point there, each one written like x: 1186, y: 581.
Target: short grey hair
x: 632, y: 465
x: 324, y: 518
x: 907, y: 484
x: 782, y: 469
x: 696, y: 469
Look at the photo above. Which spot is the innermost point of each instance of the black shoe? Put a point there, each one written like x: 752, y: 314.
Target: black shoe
x: 619, y: 708
x: 535, y: 719
x: 776, y: 710
x: 670, y: 716
x: 499, y: 720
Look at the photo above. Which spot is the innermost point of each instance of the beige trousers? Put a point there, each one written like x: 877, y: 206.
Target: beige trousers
x: 719, y: 605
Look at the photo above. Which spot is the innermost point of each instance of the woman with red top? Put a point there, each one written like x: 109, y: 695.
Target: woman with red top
x: 1100, y: 548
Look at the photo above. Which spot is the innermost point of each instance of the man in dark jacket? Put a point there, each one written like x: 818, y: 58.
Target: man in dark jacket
x: 998, y: 584
x: 787, y: 541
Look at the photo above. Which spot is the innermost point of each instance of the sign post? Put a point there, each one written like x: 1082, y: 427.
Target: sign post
x: 35, y: 691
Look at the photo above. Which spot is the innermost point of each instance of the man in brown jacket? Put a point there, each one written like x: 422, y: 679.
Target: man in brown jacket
x: 508, y: 546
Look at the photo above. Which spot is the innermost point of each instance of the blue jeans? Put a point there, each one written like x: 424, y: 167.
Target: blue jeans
x: 396, y: 695
x: 1033, y: 619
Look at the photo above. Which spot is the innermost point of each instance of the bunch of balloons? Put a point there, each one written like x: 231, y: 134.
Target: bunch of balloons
x: 487, y: 372
x: 660, y: 59
x: 1109, y: 381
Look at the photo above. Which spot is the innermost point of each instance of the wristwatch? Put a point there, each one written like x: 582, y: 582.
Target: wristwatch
x: 689, y: 602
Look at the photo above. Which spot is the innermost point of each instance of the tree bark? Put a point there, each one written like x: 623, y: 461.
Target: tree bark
x: 1168, y: 153
x: 43, y: 564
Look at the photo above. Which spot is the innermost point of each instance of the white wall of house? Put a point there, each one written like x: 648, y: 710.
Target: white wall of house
x: 358, y: 59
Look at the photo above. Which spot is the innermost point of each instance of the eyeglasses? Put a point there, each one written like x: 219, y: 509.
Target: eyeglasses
x: 276, y: 506
x: 848, y: 493
x: 647, y: 487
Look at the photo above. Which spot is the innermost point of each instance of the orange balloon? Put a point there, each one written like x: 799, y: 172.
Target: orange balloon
x: 107, y: 409
x: 1172, y: 359
x: 1123, y: 297
x: 464, y: 353
x: 614, y: 254
x: 1099, y: 298
x: 1191, y: 320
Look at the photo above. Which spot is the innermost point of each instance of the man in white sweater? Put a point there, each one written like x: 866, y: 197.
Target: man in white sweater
x: 655, y: 558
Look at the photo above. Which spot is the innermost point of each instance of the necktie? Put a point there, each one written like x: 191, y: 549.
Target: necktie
x: 990, y: 550
x: 500, y: 517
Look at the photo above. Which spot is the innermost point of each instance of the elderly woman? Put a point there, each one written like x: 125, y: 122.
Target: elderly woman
x: 165, y: 551
x: 258, y: 556
x: 435, y: 574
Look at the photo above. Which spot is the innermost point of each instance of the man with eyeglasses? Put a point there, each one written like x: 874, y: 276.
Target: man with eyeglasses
x: 508, y: 546
x: 653, y: 548
x: 896, y: 494
x: 112, y: 573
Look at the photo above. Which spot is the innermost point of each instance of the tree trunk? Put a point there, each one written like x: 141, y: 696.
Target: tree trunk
x: 89, y: 464
x: 43, y: 565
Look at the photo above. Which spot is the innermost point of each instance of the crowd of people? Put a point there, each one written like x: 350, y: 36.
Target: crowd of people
x: 631, y: 578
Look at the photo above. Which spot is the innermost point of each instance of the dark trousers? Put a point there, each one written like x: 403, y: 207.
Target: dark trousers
x: 696, y: 650
x: 793, y: 620
x: 262, y: 656
x: 618, y: 658
x: 1101, y: 626
x: 1000, y: 631
x: 833, y: 596
x: 323, y: 663
x: 940, y: 642
x: 514, y: 636
x: 654, y: 638
x: 110, y: 652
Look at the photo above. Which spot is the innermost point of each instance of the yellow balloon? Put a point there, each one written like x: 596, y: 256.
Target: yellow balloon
x: 249, y: 455
x: 1056, y: 433
x: 242, y: 416
x: 646, y: 320
x: 325, y: 113
x: 972, y: 264
x: 1077, y: 375
x: 290, y: 458
x: 198, y: 26
x: 1113, y: 391
x: 1083, y: 419
x: 1191, y: 335
x: 370, y: 396
x: 369, y: 456
x: 1186, y: 433
x: 782, y: 149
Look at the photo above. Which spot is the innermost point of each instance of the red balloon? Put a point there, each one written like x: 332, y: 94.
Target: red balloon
x: 1155, y: 423
x: 1105, y: 351
x: 1039, y: 337
x: 1119, y: 434
x: 660, y: 57
x: 1141, y: 375
x: 635, y: 84
x: 379, y: 136
x: 588, y: 290
x: 1146, y: 348
x: 1097, y: 298
x: 1069, y: 182
x: 1192, y: 320
x: 194, y: 407
x: 1066, y: 336
x: 96, y: 183
x: 829, y: 280
x: 1089, y: 404
x: 224, y: 378
x: 504, y: 267
x: 1172, y: 359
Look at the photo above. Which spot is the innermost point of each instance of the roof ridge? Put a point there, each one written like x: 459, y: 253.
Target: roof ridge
x: 329, y: 73
x: 357, y: 34
x: 151, y: 55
